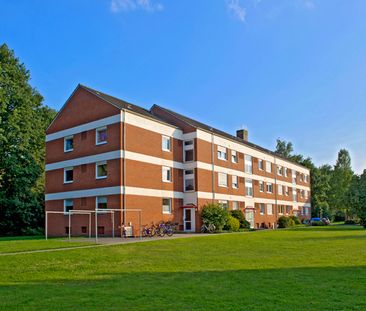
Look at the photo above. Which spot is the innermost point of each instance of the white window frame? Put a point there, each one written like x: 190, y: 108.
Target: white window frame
x: 96, y: 170
x: 222, y: 177
x: 235, y: 181
x: 168, y: 140
x: 65, y: 212
x: 287, y: 192
x: 268, y: 167
x: 269, y: 185
x: 166, y: 173
x: 269, y: 209
x: 280, y: 190
x: 96, y: 135
x: 235, y: 205
x: 285, y: 171
x: 279, y: 170
x: 170, y: 206
x: 71, y: 168
x: 234, y: 156
x: 248, y: 164
x: 260, y: 208
x: 260, y: 164
x: 222, y: 153
x: 224, y: 202
x: 261, y: 183
x: 189, y: 177
x: 187, y: 148
x: 67, y: 138
x: 249, y: 185
x: 97, y: 201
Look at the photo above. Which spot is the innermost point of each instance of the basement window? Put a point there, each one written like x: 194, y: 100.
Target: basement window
x: 68, y: 205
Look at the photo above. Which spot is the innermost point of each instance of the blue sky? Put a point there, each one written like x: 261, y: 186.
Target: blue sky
x: 290, y: 69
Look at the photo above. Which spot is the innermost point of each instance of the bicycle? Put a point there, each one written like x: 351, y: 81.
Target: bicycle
x: 164, y: 229
x: 208, y: 228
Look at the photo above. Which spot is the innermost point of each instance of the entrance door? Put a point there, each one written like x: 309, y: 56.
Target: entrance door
x: 249, y: 216
x: 189, y: 219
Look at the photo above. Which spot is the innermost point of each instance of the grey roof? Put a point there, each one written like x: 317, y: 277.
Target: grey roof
x: 199, y: 125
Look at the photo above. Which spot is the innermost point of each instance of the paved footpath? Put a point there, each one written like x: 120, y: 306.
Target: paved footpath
x: 107, y: 242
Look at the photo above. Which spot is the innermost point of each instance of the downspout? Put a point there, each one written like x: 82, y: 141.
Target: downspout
x: 213, y: 166
x: 124, y: 168
x: 275, y: 189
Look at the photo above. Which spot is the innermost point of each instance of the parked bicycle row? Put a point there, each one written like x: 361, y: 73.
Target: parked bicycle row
x: 159, y: 230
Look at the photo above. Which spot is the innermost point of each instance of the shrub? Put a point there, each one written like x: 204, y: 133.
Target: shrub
x: 238, y: 214
x: 232, y: 224
x: 213, y: 213
x: 350, y: 222
x: 296, y: 220
x: 285, y: 222
x: 363, y: 222
x: 339, y: 216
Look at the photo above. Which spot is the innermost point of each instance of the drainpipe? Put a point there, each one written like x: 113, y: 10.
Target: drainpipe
x: 213, y: 166
x: 124, y: 168
x: 275, y: 188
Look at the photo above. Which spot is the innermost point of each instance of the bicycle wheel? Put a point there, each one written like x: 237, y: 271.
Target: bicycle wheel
x: 169, y: 232
x: 152, y: 232
x: 161, y: 232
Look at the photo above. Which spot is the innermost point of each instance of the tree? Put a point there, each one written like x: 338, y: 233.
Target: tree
x: 284, y: 148
x: 320, y: 184
x: 357, y: 197
x: 340, y: 184
x: 23, y: 120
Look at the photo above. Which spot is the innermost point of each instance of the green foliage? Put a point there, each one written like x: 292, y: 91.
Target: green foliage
x: 357, y: 198
x: 296, y: 220
x: 285, y: 222
x: 232, y: 224
x: 23, y: 120
x: 213, y: 213
x: 317, y: 223
x: 238, y: 214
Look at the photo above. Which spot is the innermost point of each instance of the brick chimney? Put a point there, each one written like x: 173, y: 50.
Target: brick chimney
x: 242, y: 134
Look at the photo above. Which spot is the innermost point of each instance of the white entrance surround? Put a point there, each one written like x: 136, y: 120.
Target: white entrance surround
x: 249, y: 216
x: 189, y: 219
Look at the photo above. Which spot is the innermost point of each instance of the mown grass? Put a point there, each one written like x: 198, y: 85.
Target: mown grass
x: 299, y: 269
x: 27, y: 243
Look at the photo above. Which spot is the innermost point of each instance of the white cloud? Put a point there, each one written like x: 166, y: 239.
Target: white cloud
x: 132, y: 5
x: 235, y: 8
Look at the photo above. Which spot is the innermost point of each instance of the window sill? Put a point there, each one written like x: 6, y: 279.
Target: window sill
x: 101, y: 177
x: 68, y: 150
x: 68, y: 182
x: 167, y: 213
x: 221, y: 186
x: 188, y: 191
x: 101, y: 143
x: 167, y: 181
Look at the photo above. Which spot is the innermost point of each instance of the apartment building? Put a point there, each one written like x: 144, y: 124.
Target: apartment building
x: 103, y: 153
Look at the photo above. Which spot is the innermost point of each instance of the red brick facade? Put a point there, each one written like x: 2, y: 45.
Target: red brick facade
x: 130, y: 168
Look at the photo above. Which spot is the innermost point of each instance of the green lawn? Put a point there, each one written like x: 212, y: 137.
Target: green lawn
x: 300, y: 269
x: 20, y: 244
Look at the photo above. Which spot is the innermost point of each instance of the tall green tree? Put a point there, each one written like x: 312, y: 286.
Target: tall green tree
x: 284, y: 148
x: 23, y: 120
x: 357, y: 197
x: 320, y: 184
x: 340, y: 183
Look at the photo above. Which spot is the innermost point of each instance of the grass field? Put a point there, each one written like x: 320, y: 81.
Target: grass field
x: 300, y: 269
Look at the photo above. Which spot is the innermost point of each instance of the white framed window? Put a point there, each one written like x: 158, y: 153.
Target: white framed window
x: 166, y: 174
x: 260, y: 164
x: 249, y: 187
x: 234, y: 156
x: 165, y: 143
x: 101, y: 202
x: 281, y: 209
x: 293, y: 176
x: 288, y: 209
x: 167, y: 205
x: 269, y: 187
x: 221, y: 153
x: 234, y: 180
x: 222, y: 179
x: 69, y: 143
x: 294, y: 195
x: 224, y: 204
x: 101, y: 135
x: 268, y: 167
x: 68, y: 205
x: 101, y: 170
x: 188, y: 151
x: 279, y: 170
x: 248, y: 164
x: 307, y: 194
x: 285, y: 171
x: 280, y: 190
x: 68, y: 175
x: 269, y: 209
x: 286, y: 191
x: 188, y: 180
x: 235, y: 205
x: 261, y: 186
x: 262, y: 208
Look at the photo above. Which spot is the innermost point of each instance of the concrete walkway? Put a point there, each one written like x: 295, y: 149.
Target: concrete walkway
x: 108, y: 242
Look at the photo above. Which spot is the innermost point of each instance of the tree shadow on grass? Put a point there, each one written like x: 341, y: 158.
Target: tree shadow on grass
x: 330, y: 228
x: 324, y: 288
